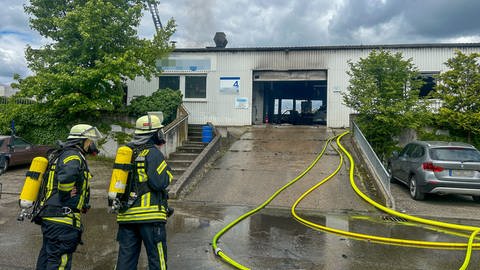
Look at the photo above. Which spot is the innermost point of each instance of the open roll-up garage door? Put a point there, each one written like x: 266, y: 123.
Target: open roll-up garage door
x: 291, y: 96
x: 290, y: 75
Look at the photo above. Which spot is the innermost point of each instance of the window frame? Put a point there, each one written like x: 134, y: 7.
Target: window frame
x: 169, y: 75
x: 182, y: 79
x: 204, y: 76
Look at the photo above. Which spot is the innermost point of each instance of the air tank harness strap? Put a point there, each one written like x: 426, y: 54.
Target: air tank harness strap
x: 125, y: 167
x: 33, y: 175
x: 57, y: 211
x: 139, y: 191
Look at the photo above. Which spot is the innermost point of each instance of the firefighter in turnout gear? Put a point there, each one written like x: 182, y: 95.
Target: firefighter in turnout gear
x: 144, y: 207
x: 64, y: 195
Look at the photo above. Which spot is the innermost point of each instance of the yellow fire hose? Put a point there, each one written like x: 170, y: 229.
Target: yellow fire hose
x: 219, y: 252
x: 385, y: 240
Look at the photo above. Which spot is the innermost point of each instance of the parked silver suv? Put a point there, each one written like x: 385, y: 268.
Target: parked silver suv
x: 437, y: 167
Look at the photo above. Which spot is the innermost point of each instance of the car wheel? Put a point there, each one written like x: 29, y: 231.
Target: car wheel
x: 476, y: 198
x: 415, y: 192
x: 4, y: 166
x: 389, y: 170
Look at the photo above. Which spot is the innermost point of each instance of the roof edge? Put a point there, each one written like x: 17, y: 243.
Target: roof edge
x: 332, y: 47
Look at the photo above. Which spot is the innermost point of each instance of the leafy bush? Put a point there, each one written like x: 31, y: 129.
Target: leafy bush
x: 164, y: 100
x: 39, y: 124
x: 33, y: 122
x: 122, y: 138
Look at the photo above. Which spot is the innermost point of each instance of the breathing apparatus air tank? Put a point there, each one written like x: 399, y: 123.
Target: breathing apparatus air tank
x: 33, y: 181
x: 118, y: 182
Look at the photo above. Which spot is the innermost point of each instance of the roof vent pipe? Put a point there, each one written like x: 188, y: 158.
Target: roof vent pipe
x: 220, y: 40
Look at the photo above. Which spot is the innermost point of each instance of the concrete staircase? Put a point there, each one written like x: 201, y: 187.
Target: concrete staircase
x: 180, y: 160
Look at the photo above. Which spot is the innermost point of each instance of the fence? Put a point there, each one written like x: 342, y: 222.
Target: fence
x: 16, y: 100
x: 372, y: 160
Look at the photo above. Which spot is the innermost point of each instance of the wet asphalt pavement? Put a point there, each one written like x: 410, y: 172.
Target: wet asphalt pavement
x: 249, y: 172
x: 270, y: 240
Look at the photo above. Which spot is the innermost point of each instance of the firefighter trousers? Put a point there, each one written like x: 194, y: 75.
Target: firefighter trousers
x: 59, y: 243
x: 130, y: 237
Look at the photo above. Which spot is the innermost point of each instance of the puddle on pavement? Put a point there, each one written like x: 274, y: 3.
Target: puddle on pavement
x: 268, y: 240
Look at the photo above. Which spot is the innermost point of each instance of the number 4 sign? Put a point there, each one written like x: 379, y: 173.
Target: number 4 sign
x: 229, y: 85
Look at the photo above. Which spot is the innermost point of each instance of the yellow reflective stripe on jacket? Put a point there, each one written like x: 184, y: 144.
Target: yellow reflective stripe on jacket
x: 66, y: 186
x: 142, y: 174
x: 142, y: 213
x: 145, y: 200
x: 161, y: 167
x: 142, y: 217
x: 68, y: 220
x: 70, y: 158
x: 170, y: 176
x: 51, y: 175
x: 85, y: 186
x: 82, y: 196
x: 135, y: 210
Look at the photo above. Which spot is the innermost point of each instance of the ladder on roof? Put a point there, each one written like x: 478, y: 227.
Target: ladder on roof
x: 152, y: 5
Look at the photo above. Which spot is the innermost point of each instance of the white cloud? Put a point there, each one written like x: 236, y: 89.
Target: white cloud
x: 463, y: 39
x: 250, y: 23
x: 12, y: 59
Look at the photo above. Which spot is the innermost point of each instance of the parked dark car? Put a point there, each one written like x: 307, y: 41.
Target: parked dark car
x: 17, y: 151
x: 437, y: 167
x: 290, y: 117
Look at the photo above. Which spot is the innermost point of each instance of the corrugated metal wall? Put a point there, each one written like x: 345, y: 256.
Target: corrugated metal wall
x: 219, y: 108
x: 141, y: 87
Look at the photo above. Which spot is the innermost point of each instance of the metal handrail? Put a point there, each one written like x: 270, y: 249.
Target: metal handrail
x: 176, y: 132
x: 183, y: 116
x: 372, y: 159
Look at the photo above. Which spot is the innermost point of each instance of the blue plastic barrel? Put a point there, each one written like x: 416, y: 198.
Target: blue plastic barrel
x: 207, y: 133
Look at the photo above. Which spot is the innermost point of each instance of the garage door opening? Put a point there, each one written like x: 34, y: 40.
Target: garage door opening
x: 290, y: 97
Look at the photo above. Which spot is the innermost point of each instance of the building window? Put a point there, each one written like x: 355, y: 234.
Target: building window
x: 429, y: 83
x: 195, y: 86
x: 171, y: 82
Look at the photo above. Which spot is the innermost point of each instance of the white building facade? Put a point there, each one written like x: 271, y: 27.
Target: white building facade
x: 245, y: 86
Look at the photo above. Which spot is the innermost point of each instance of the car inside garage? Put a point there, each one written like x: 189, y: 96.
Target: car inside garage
x: 297, y: 97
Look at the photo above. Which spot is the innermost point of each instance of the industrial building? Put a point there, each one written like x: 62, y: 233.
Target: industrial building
x: 297, y: 85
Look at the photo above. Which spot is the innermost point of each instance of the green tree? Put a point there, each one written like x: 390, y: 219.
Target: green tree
x: 384, y: 91
x: 459, y: 90
x: 93, y: 49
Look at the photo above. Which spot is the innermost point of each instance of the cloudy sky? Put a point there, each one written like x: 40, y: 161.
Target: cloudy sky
x: 271, y: 23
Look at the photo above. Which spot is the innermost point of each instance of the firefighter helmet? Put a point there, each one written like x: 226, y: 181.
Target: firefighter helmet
x: 147, y: 124
x: 84, y: 131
